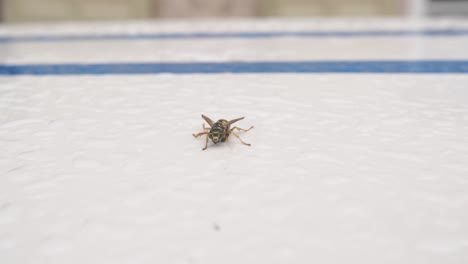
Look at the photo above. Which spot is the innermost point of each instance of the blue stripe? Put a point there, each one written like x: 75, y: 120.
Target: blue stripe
x: 242, y: 35
x: 440, y: 67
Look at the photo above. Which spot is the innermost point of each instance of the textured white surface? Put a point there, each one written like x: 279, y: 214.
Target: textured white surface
x: 343, y: 168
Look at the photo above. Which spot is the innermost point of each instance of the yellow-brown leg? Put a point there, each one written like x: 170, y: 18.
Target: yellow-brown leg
x: 237, y: 136
x: 199, y: 134
x: 241, y: 129
x: 206, y: 144
x: 206, y: 128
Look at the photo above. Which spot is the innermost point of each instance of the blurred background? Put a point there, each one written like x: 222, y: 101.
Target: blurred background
x: 12, y: 11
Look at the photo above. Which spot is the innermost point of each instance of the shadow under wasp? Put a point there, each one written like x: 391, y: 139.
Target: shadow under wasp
x: 220, y: 130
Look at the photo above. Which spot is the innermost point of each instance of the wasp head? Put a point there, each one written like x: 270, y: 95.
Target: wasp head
x: 216, y: 138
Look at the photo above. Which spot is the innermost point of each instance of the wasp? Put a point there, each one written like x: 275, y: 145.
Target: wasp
x: 220, y: 130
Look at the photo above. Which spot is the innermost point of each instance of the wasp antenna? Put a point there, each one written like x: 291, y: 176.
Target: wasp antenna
x: 235, y: 120
x: 208, y: 120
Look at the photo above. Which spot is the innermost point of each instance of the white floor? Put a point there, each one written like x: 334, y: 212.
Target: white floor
x: 343, y: 168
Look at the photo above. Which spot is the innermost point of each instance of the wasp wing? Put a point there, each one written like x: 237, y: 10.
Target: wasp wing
x: 208, y: 120
x: 235, y: 120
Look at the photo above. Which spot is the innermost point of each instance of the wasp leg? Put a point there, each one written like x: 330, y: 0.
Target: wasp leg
x: 206, y: 144
x: 199, y: 134
x: 241, y: 129
x: 206, y: 128
x: 237, y: 136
